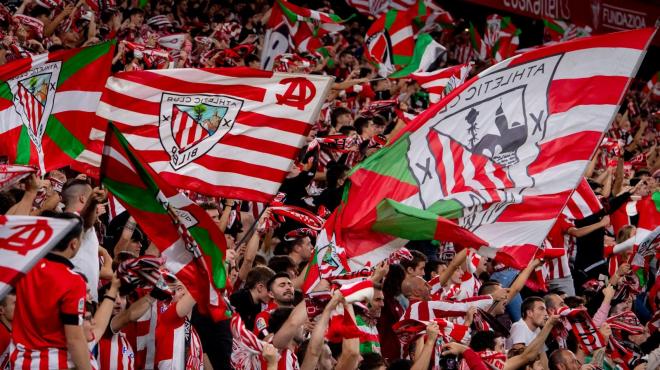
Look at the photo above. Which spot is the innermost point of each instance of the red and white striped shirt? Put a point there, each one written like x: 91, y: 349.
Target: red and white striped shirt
x: 177, y: 344
x: 115, y: 352
x: 559, y: 238
x: 142, y: 337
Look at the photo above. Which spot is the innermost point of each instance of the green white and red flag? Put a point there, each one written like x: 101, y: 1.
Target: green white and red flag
x: 427, y: 57
x: 47, y: 105
x: 557, y: 30
x: 193, y: 245
x: 225, y: 132
x: 501, y: 37
x: 478, y: 45
x: 390, y: 41
x: 24, y: 240
x: 306, y: 26
x: 492, y: 164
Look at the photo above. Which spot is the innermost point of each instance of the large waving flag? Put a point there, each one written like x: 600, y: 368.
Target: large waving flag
x: 307, y: 26
x: 47, y: 105
x: 222, y: 132
x: 24, y: 240
x: 582, y: 203
x: 499, y: 155
x: 192, y: 243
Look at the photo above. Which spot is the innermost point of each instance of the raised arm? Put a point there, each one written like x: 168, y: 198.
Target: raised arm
x: 132, y: 313
x: 519, y: 283
x: 459, y: 259
x: 424, y: 359
x: 534, y: 348
x: 290, y: 327
x: 104, y: 311
x: 350, y: 348
x: 316, y: 340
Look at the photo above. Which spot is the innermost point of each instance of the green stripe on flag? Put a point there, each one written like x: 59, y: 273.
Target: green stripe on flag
x: 450, y: 209
x: 84, y: 57
x: 64, y: 139
x: 404, y: 221
x: 401, y: 59
x: 5, y: 92
x: 390, y: 17
x: 134, y: 196
x: 422, y: 43
x: 388, y: 162
x: 656, y: 200
x: 23, y: 147
x: 209, y: 248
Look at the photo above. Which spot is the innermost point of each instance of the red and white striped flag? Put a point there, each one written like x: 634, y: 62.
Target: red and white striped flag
x: 582, y: 203
x: 441, y: 82
x: 11, y: 174
x: 23, y: 241
x: 430, y: 310
x: 228, y: 133
x: 246, y: 347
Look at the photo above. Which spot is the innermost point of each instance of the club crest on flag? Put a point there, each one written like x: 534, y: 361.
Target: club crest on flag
x: 34, y: 93
x: 190, y: 125
x: 493, y: 129
x: 380, y: 48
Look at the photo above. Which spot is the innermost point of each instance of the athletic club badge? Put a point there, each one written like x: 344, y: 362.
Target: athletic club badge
x: 34, y: 93
x: 478, y: 148
x: 190, y: 125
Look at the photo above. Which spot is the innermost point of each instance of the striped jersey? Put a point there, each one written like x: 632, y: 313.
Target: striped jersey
x: 559, y: 238
x: 177, y: 344
x: 115, y: 352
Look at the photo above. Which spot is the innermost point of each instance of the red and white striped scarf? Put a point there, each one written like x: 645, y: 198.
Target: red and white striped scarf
x: 583, y: 327
x: 246, y: 347
x: 626, y: 322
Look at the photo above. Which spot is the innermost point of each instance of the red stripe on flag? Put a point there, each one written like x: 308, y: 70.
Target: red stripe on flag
x: 436, y: 147
x: 636, y: 39
x: 218, y: 190
x: 264, y: 146
x: 175, y: 85
x: 593, y: 90
x: 9, y: 275
x: 554, y: 152
x: 221, y: 165
x: 285, y: 124
x: 240, y: 72
x: 119, y: 100
x: 535, y: 208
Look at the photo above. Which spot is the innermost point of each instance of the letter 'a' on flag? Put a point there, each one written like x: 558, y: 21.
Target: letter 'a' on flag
x: 500, y: 155
x: 47, y: 108
x: 193, y: 245
x: 24, y: 240
x: 226, y: 132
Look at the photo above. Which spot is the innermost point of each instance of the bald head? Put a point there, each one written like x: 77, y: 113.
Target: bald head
x: 415, y: 287
x: 563, y: 359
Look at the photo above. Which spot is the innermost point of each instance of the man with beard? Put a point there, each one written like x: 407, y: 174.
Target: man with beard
x: 280, y: 291
x: 367, y: 322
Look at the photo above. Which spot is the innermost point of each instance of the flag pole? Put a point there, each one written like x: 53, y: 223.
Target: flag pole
x: 252, y: 227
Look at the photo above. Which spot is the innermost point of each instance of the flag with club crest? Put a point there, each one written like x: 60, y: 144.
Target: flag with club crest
x: 24, y: 240
x: 193, y: 245
x: 499, y: 156
x: 229, y: 133
x: 47, y: 105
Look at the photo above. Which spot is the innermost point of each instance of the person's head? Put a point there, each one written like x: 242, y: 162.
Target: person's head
x: 534, y: 312
x: 280, y: 289
x: 7, y: 305
x: 518, y: 349
x: 377, y: 302
x: 75, y: 194
x: 212, y: 210
x: 573, y: 302
x: 640, y: 337
x: 346, y: 58
x: 563, y: 359
x: 625, y: 233
x: 136, y: 16
x: 283, y: 264
x: 336, y: 175
x: 490, y: 287
x: 88, y: 321
x: 483, y: 340
x: 120, y: 300
x: 414, y: 266
x: 278, y: 317
x: 372, y: 361
x: 433, y: 268
x: 457, y: 276
x: 70, y: 243
x: 325, y: 362
x: 252, y: 61
x: 553, y: 302
x: 340, y: 117
x: 257, y: 282
x: 415, y: 287
x: 302, y: 248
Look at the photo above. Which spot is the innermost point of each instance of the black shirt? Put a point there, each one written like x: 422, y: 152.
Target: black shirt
x: 242, y: 301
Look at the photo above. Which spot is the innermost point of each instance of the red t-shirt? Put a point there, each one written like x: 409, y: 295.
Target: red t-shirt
x: 262, y: 319
x: 177, y: 344
x: 48, y: 297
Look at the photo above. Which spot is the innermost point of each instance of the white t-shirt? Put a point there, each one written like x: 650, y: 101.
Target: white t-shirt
x: 520, y: 333
x: 86, y: 261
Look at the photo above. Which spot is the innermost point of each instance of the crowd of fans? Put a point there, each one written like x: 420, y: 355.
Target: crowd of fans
x: 91, y: 319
